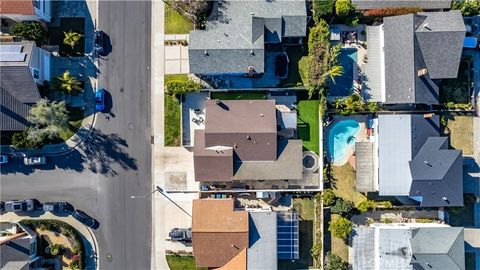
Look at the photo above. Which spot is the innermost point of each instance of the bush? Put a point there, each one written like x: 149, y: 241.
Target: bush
x: 322, y: 9
x: 21, y: 140
x: 340, y: 227
x: 176, y: 87
x: 341, y: 207
x: 343, y: 7
x: 467, y: 7
x: 56, y: 249
x: 75, y: 264
x: 328, y: 197
x: 385, y: 12
x: 367, y: 205
x: 316, y: 250
x: 30, y: 31
x: 459, y: 106
x: 334, y: 262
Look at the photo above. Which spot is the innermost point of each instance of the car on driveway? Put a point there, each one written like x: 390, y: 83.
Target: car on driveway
x: 177, y: 234
x: 3, y: 159
x: 58, y: 207
x: 85, y: 219
x: 20, y: 206
x: 98, y: 42
x: 38, y: 160
x: 100, y: 99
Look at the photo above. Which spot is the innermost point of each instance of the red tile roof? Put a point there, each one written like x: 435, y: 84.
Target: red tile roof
x: 20, y: 7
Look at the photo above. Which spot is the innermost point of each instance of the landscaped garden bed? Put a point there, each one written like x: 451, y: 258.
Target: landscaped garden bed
x: 58, y: 240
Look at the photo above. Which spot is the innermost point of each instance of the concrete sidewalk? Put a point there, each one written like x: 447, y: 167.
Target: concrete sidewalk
x: 90, y: 242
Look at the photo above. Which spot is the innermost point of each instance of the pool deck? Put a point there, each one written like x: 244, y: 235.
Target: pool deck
x: 361, y: 136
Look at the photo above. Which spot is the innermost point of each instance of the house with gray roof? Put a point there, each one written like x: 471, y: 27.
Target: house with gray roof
x: 426, y: 5
x: 413, y: 163
x: 408, y: 55
x: 408, y: 246
x: 23, y: 66
x: 18, y: 250
x: 236, y: 34
x: 240, y: 142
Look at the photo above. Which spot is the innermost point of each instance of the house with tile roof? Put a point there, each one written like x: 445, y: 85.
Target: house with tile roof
x: 408, y: 55
x: 230, y: 238
x: 408, y: 246
x: 23, y: 66
x: 240, y: 142
x: 424, y: 170
x: 426, y: 5
x: 26, y: 10
x: 238, y: 32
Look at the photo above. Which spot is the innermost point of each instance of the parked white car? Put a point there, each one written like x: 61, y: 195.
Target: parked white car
x: 35, y: 160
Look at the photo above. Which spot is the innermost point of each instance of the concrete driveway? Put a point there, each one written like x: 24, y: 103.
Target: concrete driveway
x: 176, y: 60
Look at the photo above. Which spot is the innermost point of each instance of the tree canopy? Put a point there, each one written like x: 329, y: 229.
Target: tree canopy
x: 343, y: 7
x: 467, y: 7
x: 30, y: 31
x: 48, y: 119
x: 66, y: 83
x: 340, y: 227
x: 334, y: 262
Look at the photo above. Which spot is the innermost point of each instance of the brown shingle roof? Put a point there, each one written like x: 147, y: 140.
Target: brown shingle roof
x: 220, y: 234
x: 21, y: 7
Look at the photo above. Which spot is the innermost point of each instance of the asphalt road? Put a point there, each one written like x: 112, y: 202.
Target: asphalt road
x: 115, y: 162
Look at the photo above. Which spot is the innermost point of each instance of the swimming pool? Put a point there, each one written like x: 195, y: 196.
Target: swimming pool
x: 343, y: 85
x: 342, y: 138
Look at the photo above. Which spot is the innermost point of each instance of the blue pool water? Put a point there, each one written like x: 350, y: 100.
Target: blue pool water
x: 341, y: 137
x: 343, y: 85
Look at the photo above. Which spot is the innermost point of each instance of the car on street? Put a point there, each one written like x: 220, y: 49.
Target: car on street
x: 98, y: 42
x: 85, y: 219
x: 58, y: 207
x: 3, y: 159
x: 100, y: 99
x: 177, y: 234
x: 2, y: 207
x: 38, y: 160
x: 20, y: 206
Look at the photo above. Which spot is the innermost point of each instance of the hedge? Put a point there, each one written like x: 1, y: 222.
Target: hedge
x: 385, y: 12
x: 176, y: 87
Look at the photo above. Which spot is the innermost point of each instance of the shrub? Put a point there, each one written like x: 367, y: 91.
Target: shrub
x: 340, y: 227
x: 56, y: 249
x: 66, y: 83
x: 71, y: 38
x: 367, y: 205
x: 328, y: 197
x: 350, y: 105
x: 343, y: 7
x: 21, y: 140
x: 176, y: 87
x: 30, y: 31
x: 75, y: 264
x: 467, y: 7
x: 322, y: 9
x: 385, y: 12
x: 316, y: 250
x: 334, y: 262
x: 341, y: 207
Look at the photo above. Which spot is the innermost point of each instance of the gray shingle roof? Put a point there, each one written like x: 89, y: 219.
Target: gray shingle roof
x: 237, y: 27
x: 423, y: 4
x: 15, y: 254
x: 262, y: 251
x: 438, y: 248
x: 431, y: 41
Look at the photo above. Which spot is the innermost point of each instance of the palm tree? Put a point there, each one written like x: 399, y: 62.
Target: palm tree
x: 335, y: 71
x: 66, y: 83
x: 71, y: 38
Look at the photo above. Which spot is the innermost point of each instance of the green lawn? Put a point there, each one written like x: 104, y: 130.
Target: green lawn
x: 172, y: 121
x: 305, y: 207
x: 239, y: 95
x: 308, y: 124
x: 460, y: 130
x: 56, y: 36
x: 297, y: 67
x: 176, y: 23
x: 338, y: 245
x: 457, y: 90
x: 182, y: 263
x: 176, y: 77
x: 344, y: 184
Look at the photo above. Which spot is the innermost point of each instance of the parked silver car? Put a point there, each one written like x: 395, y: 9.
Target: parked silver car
x: 35, y: 160
x: 20, y: 206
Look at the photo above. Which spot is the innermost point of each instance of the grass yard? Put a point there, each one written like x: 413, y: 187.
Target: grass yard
x: 176, y: 23
x: 305, y: 207
x: 239, y: 95
x: 56, y: 36
x: 344, y: 184
x: 470, y: 261
x: 172, y: 121
x: 308, y: 124
x: 338, y: 245
x: 182, y: 263
x: 75, y: 122
x: 460, y: 129
x: 297, y: 67
x: 176, y: 77
x: 457, y: 90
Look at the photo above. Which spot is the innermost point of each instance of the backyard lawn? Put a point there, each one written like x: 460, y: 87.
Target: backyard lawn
x: 338, y: 245
x: 308, y: 124
x: 56, y: 36
x: 461, y: 132
x: 182, y: 263
x: 457, y: 90
x: 297, y: 67
x: 344, y: 184
x: 176, y: 23
x: 239, y: 95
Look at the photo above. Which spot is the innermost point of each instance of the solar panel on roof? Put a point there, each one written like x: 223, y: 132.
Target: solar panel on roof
x: 12, y: 57
x: 287, y: 236
x: 10, y: 49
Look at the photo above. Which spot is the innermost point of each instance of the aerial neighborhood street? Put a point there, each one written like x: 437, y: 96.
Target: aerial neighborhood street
x: 240, y: 134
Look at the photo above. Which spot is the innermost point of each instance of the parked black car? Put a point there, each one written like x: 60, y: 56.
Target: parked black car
x: 99, y: 42
x: 58, y: 207
x: 86, y: 219
x: 2, y: 207
x: 20, y: 206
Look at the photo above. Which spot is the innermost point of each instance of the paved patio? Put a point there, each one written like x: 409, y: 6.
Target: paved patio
x: 193, y: 111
